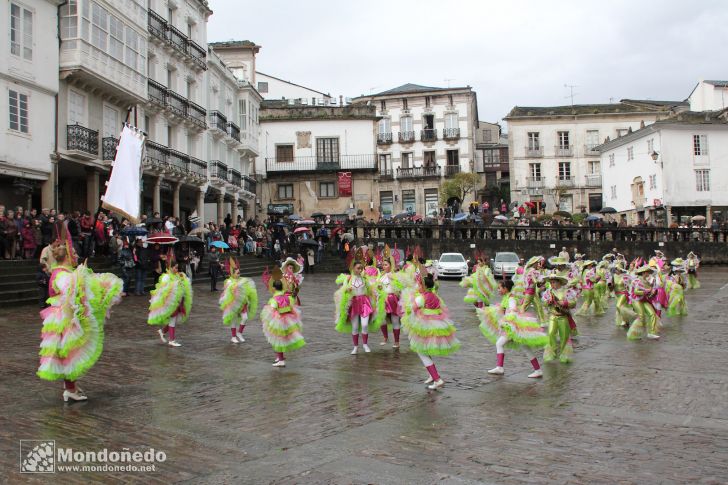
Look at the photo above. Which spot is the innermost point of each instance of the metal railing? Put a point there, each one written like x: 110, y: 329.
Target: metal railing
x: 536, y: 151
x: 384, y: 138
x: 418, y: 172
x: 565, y: 182
x: 314, y: 164
x: 451, y: 170
x: 593, y: 180
x: 197, y: 53
x: 177, y: 38
x: 196, y: 114
x: 232, y: 130
x: 179, y: 161
x: 428, y: 135
x: 198, y: 167
x: 171, y: 35
x: 386, y: 174
x: 564, y: 150
x: 218, y: 170
x: 157, y: 92
x: 235, y: 178
x: 249, y: 184
x: 108, y: 148
x: 406, y: 136
x: 176, y: 103
x: 451, y: 133
x: 82, y: 139
x: 156, y: 154
x: 157, y: 25
x: 535, y: 182
x: 218, y: 121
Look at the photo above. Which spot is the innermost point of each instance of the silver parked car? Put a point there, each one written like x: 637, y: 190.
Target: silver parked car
x: 504, y: 264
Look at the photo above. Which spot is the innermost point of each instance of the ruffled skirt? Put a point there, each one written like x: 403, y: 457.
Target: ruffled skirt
x: 282, y: 330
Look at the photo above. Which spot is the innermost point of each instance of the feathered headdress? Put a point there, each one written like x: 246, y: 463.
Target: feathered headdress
x: 231, y: 265
x: 276, y: 275
x: 379, y: 256
x: 396, y: 255
x: 356, y: 255
x: 387, y: 256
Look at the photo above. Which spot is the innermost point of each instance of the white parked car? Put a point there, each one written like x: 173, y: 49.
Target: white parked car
x: 504, y: 264
x: 451, y: 265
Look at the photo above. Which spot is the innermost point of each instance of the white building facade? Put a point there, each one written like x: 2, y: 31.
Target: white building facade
x: 670, y: 171
x: 271, y: 87
x: 425, y: 135
x: 709, y: 95
x: 552, y: 150
x: 28, y: 86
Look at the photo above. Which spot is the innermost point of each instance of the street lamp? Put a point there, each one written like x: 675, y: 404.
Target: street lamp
x: 655, y: 156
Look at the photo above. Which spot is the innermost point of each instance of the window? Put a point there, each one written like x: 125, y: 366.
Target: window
x: 408, y: 201
x: 76, y: 108
x: 170, y: 15
x: 327, y: 189
x: 404, y: 103
x: 566, y: 203
x: 327, y: 149
x: 535, y: 170
x: 69, y: 20
x: 431, y: 200
x: 386, y: 203
x: 592, y: 139
x: 533, y: 140
x: 284, y: 153
x: 650, y: 146
x: 702, y: 180
x: 21, y: 32
x: 429, y: 121
x: 116, y: 38
x: 491, y: 158
x: 18, y: 104
x: 385, y: 162
x: 630, y: 153
x: 109, y: 121
x: 243, y: 115
x: 189, y: 31
x: 99, y: 26
x: 622, y: 132
x: 563, y: 137
x: 613, y: 190
x: 406, y: 159
x: 595, y: 202
x: 594, y: 167
x: 429, y: 158
x: 170, y: 136
x: 653, y: 181
x: 453, y: 157
x: 700, y: 145
x: 451, y: 121
x: 383, y: 105
x: 285, y: 191
x: 427, y: 101
x: 385, y: 126
x: 190, y: 87
x: 262, y: 87
x: 564, y: 170
x: 611, y: 159
x: 405, y: 124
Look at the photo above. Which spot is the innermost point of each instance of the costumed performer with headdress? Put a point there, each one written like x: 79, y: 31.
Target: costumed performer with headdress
x: 641, y: 293
x: 692, y: 265
x: 429, y: 328
x: 73, y: 324
x: 171, y: 302
x: 292, y: 270
x: 481, y: 284
x: 676, y: 306
x: 504, y: 326
x: 388, y: 310
x: 559, y: 301
x: 589, y: 279
x: 532, y: 280
x: 623, y: 313
x: 281, y: 318
x: 353, y: 303
x: 238, y: 302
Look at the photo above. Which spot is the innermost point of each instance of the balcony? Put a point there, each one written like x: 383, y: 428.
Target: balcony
x: 83, y: 141
x: 157, y: 156
x: 157, y: 93
x: 315, y: 164
x: 249, y: 184
x: 386, y: 174
x: 218, y: 121
x: 593, y: 180
x: 418, y: 172
x: 590, y: 149
x: 406, y: 136
x: 428, y: 135
x: 564, y: 182
x: 196, y: 114
x: 232, y: 130
x: 108, y: 148
x: 198, y: 168
x: 534, y: 151
x: 174, y: 38
x: 451, y: 133
x: 179, y: 162
x: 564, y: 150
x: 235, y: 178
x: 535, y: 182
x: 218, y: 171
x: 451, y: 170
x: 384, y: 138
x: 176, y: 103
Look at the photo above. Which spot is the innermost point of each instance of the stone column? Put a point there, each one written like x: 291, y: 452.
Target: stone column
x: 175, y: 199
x: 156, y: 196
x: 220, y: 208
x: 708, y: 215
x: 201, y: 206
x: 47, y: 194
x: 92, y: 189
x: 234, y: 209
x: 668, y: 214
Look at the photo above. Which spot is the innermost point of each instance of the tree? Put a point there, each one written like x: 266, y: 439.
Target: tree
x: 459, y: 185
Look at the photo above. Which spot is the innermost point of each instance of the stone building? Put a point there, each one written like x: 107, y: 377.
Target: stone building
x: 491, y: 160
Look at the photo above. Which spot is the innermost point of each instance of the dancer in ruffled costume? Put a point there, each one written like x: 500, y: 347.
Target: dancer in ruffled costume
x: 692, y: 264
x: 171, y: 302
x: 562, y: 267
x: 353, y: 302
x: 641, y: 295
x: 73, y: 324
x: 281, y: 318
x: 292, y: 272
x: 429, y: 328
x: 505, y: 327
x: 559, y: 301
x: 481, y: 284
x: 388, y: 310
x: 370, y: 269
x: 602, y: 286
x: 589, y: 279
x: 676, y: 306
x: 238, y: 302
x: 532, y: 281
x: 623, y: 313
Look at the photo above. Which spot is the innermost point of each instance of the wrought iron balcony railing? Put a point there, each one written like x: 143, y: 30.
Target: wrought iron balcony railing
x: 162, y: 30
x: 82, y: 139
x: 198, y: 54
x: 249, y: 184
x: 157, y: 155
x: 406, y: 136
x: 218, y: 121
x: 157, y: 92
x: 179, y: 162
x: 232, y: 130
x: 235, y: 178
x: 218, y: 170
x: 418, y: 172
x: 177, y: 38
x: 157, y: 25
x: 176, y: 103
x: 564, y: 150
x: 384, y: 138
x: 196, y: 114
x: 386, y: 174
x: 534, y: 151
x: 316, y: 164
x: 451, y: 133
x: 108, y: 148
x: 428, y: 135
x: 451, y: 170
x: 198, y: 167
x: 565, y: 182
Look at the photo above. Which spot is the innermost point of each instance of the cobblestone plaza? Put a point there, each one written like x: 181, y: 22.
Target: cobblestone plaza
x: 622, y: 412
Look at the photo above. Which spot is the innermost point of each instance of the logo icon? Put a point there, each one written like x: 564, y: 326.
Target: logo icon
x: 37, y: 456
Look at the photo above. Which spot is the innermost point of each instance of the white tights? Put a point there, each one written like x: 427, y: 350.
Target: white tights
x: 500, y: 347
x: 355, y: 321
x: 172, y: 321
x: 426, y: 360
x: 395, y: 322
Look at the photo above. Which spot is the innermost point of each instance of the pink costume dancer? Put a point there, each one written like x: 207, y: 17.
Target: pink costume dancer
x: 659, y: 298
x: 354, y: 306
x: 281, y: 319
x: 388, y: 310
x: 171, y: 302
x: 291, y: 270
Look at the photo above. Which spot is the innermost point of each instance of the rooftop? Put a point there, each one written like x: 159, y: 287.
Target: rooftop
x: 720, y: 84
x: 281, y: 110
x: 624, y: 106
x: 233, y: 44
x: 293, y: 84
x: 410, y: 88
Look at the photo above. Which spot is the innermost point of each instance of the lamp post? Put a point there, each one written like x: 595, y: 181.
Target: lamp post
x: 655, y: 156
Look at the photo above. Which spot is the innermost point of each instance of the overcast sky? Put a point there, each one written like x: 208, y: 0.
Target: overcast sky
x: 511, y: 52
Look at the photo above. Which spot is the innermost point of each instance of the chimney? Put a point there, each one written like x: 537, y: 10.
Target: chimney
x: 341, y: 100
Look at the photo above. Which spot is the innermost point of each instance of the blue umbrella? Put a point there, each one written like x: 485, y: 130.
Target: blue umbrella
x: 294, y: 217
x: 133, y: 231
x: 219, y: 244
x: 280, y: 224
x: 593, y: 218
x: 460, y: 217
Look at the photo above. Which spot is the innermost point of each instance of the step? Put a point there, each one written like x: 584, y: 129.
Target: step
x: 17, y: 284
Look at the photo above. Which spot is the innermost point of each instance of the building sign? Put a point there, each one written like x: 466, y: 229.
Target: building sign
x: 280, y: 208
x: 344, y: 184
x: 386, y: 203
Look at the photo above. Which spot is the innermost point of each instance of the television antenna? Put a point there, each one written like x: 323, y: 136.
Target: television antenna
x: 571, y: 92
x: 447, y: 80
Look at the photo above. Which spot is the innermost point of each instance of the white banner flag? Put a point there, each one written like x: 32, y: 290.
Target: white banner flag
x: 123, y: 188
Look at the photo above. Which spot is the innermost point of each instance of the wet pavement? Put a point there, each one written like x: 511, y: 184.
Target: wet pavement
x: 622, y: 412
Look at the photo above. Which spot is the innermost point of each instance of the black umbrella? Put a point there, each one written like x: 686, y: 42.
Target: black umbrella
x: 563, y: 214
x: 190, y: 240
x: 153, y: 220
x: 608, y: 210
x: 133, y: 231
x: 309, y: 242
